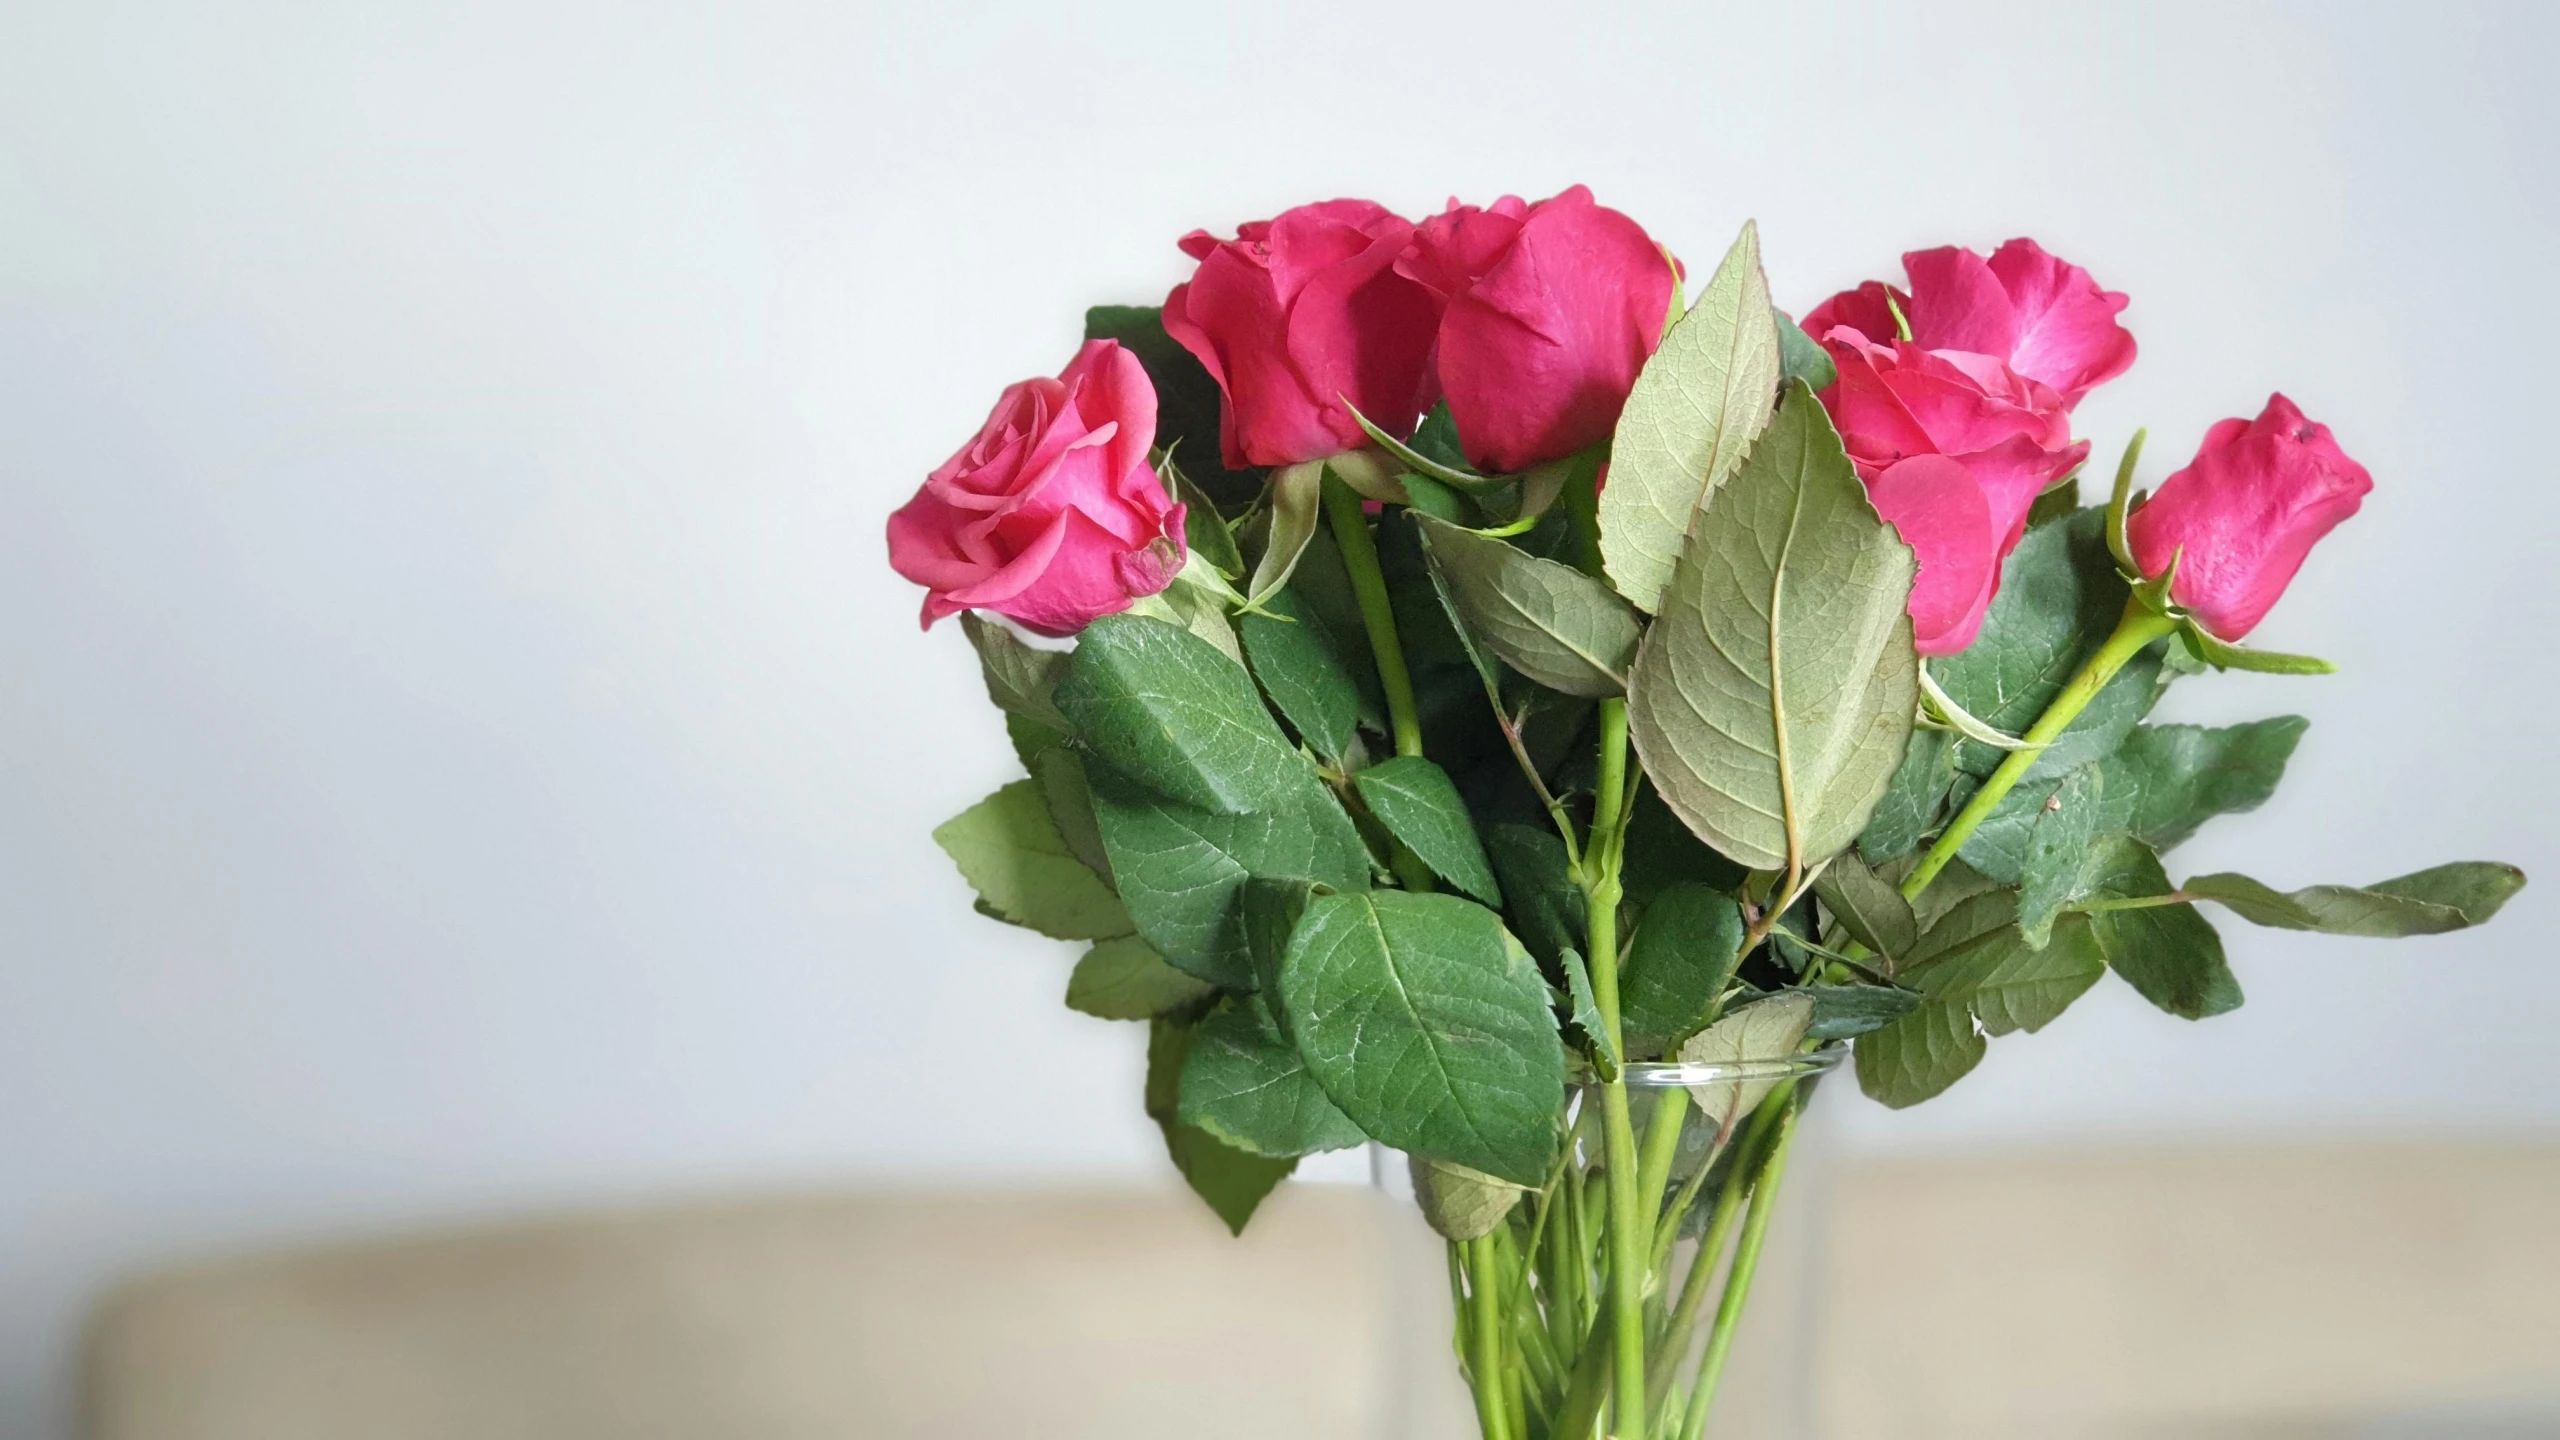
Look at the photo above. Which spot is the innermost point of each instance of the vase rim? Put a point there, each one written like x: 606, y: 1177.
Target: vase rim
x: 1663, y: 1074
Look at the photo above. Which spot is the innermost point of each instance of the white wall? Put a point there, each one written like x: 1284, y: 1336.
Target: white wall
x: 461, y: 749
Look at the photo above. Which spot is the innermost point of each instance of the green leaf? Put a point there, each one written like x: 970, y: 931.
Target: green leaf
x: 2058, y: 850
x: 1587, y: 1018
x: 1477, y: 660
x: 1436, y: 439
x: 1429, y: 1028
x: 1545, y: 904
x: 1955, y: 885
x: 1872, y: 911
x: 1662, y: 853
x: 1678, y: 964
x: 1011, y: 854
x: 1184, y: 869
x: 1801, y: 357
x: 1320, y: 594
x: 1060, y: 773
x: 2167, y: 780
x: 1233, y: 1181
x: 1297, y: 495
x: 1460, y: 1203
x: 1769, y: 1029
x: 1984, y: 910
x: 1245, y: 1083
x: 2057, y: 501
x: 1550, y: 622
x: 1977, y: 976
x: 2430, y: 902
x: 2010, y: 985
x: 1420, y: 806
x: 1164, y: 708
x: 1908, y: 813
x: 1694, y: 411
x: 1125, y: 979
x: 2059, y: 600
x: 1270, y: 912
x: 1031, y: 739
x: 1187, y: 398
x: 1918, y: 1056
x: 1773, y: 699
x: 2160, y: 785
x: 1020, y: 678
x: 2478, y: 889
x: 1304, y: 675
x: 2167, y: 952
x: 1205, y: 532
x: 1843, y: 1012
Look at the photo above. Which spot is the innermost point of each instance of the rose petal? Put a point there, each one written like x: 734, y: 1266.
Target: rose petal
x: 1942, y: 515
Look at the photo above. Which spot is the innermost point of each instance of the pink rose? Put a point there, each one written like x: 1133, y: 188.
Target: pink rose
x: 1296, y: 315
x: 1052, y: 515
x: 1552, y: 309
x: 2243, y: 514
x: 1954, y: 447
x: 2041, y: 316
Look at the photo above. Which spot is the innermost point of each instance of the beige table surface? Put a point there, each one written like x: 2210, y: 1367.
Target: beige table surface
x: 2373, y: 1293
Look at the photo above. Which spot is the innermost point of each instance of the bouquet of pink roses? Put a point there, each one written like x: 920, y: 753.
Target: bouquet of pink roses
x: 1532, y: 723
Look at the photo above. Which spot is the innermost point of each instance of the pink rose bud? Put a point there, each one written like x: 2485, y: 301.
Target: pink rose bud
x: 1052, y: 515
x: 1296, y: 315
x: 2040, y: 316
x: 1552, y: 309
x: 2243, y: 514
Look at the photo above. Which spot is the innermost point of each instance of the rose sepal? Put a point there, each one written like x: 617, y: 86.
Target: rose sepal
x: 1367, y: 472
x: 2119, y: 505
x: 1421, y: 464
x: 2223, y: 655
x: 1200, y: 573
x: 1939, y: 711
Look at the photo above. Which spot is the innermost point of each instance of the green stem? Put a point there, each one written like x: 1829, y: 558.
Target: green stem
x: 1360, y: 557
x: 1484, y: 1285
x: 1661, y: 1147
x: 1746, y: 1261
x: 1581, y: 500
x: 1748, y: 1149
x: 2140, y: 626
x: 1628, y: 1230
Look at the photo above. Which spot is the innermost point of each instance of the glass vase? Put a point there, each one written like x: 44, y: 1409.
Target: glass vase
x: 1517, y: 1282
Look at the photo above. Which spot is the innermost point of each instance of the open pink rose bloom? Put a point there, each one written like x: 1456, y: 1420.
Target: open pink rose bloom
x: 1299, y: 314
x: 1959, y: 427
x: 1553, y: 308
x: 1052, y: 515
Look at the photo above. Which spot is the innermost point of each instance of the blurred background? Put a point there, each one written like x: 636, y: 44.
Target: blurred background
x: 463, y: 754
